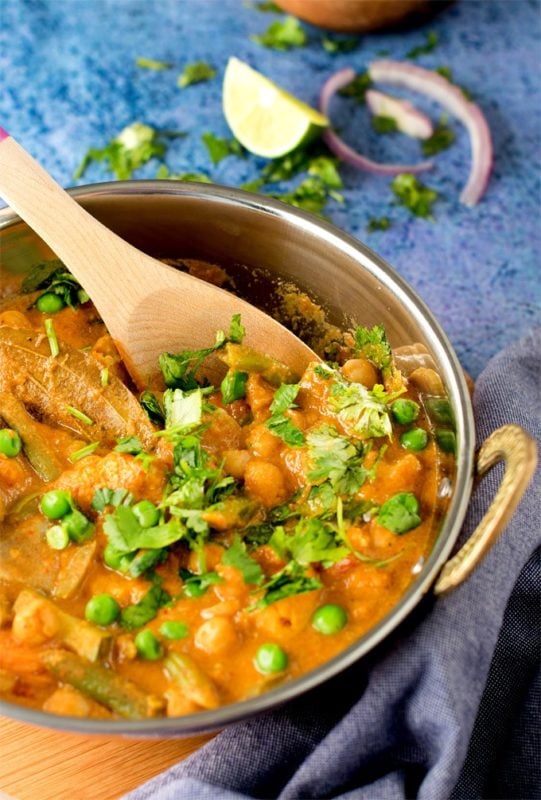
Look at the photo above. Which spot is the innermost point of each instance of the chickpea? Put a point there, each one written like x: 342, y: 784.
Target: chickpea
x: 266, y: 482
x: 14, y: 319
x: 235, y: 462
x: 259, y: 394
x: 360, y: 370
x: 216, y: 636
x: 262, y: 442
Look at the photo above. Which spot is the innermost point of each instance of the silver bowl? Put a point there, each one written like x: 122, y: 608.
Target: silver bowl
x: 263, y: 242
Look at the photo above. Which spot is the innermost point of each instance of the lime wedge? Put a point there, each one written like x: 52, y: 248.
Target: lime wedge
x: 267, y: 120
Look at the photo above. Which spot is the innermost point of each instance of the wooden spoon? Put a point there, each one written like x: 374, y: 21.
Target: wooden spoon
x: 147, y: 306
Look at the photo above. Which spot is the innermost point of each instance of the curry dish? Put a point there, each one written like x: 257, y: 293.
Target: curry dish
x: 192, y: 546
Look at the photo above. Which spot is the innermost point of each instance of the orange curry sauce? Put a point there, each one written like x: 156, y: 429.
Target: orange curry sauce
x: 227, y: 624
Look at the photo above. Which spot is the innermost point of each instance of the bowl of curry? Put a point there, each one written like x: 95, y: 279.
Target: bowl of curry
x: 176, y: 559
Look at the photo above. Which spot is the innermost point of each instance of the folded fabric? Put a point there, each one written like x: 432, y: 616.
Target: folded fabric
x: 399, y: 722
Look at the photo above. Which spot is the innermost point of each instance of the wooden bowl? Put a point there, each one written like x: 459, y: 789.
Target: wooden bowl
x: 353, y: 15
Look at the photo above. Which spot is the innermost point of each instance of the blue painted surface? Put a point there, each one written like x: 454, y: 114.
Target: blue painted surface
x: 70, y: 82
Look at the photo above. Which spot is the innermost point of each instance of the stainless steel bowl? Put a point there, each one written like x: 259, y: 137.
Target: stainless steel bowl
x: 247, y: 233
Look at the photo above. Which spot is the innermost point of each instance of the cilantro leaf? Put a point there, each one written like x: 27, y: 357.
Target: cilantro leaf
x: 378, y: 224
x: 41, y: 274
x: 138, y: 614
x: 129, y: 444
x: 132, y: 148
x: 362, y: 412
x: 432, y: 41
x: 152, y: 407
x: 237, y: 556
x: 414, y: 195
x: 110, y: 497
x: 218, y: 149
x: 400, y: 514
x: 282, y: 426
x: 310, y: 195
x: 358, y: 86
x: 312, y: 541
x: 284, y: 398
x: 336, y: 459
x: 125, y: 534
x: 183, y: 410
x: 372, y: 343
x: 54, y: 277
x: 442, y: 138
x: 237, y: 331
x: 282, y: 35
x: 289, y: 581
x: 325, y: 168
x: 195, y: 72
x: 335, y: 45
x: 383, y: 124
x: 151, y: 63
x: 197, y: 585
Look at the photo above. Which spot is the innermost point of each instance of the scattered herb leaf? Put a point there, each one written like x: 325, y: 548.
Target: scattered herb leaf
x: 414, y: 195
x: 442, y: 138
x: 290, y: 580
x: 282, y: 35
x: 383, y: 124
x: 400, y: 514
x: 378, y: 224
x: 218, y: 149
x: 432, y: 41
x: 151, y: 63
x: 197, y: 177
x: 358, y: 86
x: 110, y: 497
x: 237, y: 556
x: 335, y: 45
x: 138, y: 614
x: 195, y: 72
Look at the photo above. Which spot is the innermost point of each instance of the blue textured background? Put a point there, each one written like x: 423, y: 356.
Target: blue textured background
x: 70, y: 82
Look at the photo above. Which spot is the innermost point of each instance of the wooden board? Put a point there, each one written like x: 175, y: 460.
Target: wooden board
x: 38, y: 764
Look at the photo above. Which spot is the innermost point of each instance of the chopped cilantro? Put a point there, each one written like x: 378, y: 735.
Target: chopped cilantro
x: 282, y: 35
x: 312, y: 541
x: 282, y: 426
x: 237, y: 556
x: 138, y: 614
x: 183, y: 410
x: 132, y: 148
x: 442, y: 138
x: 325, y: 168
x: 125, y: 534
x: 290, y: 580
x: 279, y: 423
x: 383, y: 124
x: 151, y: 63
x: 195, y: 72
x: 362, y: 412
x: 400, y: 514
x: 54, y: 277
x: 432, y: 41
x: 335, y: 45
x: 445, y: 72
x: 414, y: 195
x: 152, y: 407
x: 310, y: 195
x: 197, y: 585
x: 378, y: 224
x: 179, y: 370
x: 110, y: 497
x: 218, y: 149
x: 129, y: 444
x: 336, y: 459
x: 233, y: 386
x: 372, y: 343
x: 284, y: 398
x: 358, y: 86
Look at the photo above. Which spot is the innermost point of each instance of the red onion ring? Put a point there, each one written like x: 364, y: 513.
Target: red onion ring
x: 408, y: 119
x: 344, y: 151
x: 452, y: 98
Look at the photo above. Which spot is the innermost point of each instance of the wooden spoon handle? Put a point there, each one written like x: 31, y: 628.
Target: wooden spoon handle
x: 90, y: 249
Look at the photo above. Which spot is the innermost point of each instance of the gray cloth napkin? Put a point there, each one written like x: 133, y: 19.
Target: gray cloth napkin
x: 442, y: 705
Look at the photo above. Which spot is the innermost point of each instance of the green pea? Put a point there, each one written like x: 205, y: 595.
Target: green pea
x: 102, y: 609
x: 116, y: 559
x: 148, y: 646
x: 446, y: 440
x: 415, y: 439
x: 270, y: 658
x: 147, y: 514
x: 329, y: 619
x: 49, y: 303
x: 56, y: 504
x: 78, y: 526
x: 405, y: 411
x: 57, y: 537
x: 173, y: 629
x: 10, y: 442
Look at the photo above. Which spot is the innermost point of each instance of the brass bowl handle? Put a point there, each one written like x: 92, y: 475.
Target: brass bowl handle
x: 518, y: 450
